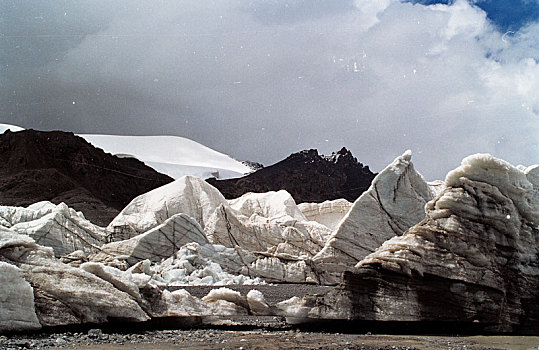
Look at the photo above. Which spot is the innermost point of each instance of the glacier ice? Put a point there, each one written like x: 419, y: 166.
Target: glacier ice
x: 17, y: 310
x: 393, y: 203
x: 328, y: 213
x: 188, y: 195
x: 477, y: 231
x: 156, y: 244
x: 473, y: 259
x: 56, y: 226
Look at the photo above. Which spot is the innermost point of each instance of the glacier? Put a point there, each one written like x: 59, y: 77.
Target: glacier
x: 405, y: 250
x: 473, y: 259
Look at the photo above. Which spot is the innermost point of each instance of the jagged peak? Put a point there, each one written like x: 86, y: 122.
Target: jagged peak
x: 334, y: 157
x: 308, y: 176
x: 340, y: 155
x: 313, y: 152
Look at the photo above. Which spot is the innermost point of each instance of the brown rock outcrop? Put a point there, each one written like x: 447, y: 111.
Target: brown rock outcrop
x: 61, y: 167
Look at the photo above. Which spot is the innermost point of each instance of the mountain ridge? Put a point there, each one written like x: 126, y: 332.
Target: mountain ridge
x: 59, y: 166
x: 307, y: 176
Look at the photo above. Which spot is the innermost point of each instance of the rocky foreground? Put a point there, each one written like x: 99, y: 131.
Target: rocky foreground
x: 274, y: 337
x: 462, y: 254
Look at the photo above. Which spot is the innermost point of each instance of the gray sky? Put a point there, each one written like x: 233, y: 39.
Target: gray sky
x: 261, y: 79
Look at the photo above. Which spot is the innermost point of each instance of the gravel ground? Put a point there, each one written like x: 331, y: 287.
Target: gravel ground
x: 273, y: 337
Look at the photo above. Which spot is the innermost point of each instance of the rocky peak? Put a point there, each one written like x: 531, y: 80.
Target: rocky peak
x: 343, y: 156
x: 306, y: 156
x: 307, y: 176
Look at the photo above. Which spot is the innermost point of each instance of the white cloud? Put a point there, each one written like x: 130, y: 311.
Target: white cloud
x: 464, y: 20
x: 379, y: 79
x: 370, y: 11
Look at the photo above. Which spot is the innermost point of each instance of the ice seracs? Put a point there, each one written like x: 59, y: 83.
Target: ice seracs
x: 67, y: 295
x: 8, y: 239
x: 195, y: 236
x: 394, y: 202
x: 268, y: 223
x: 195, y: 264
x: 512, y: 182
x: 276, y: 235
x: 188, y: 195
x: 272, y: 204
x: 17, y: 311
x: 56, y: 226
x: 327, y: 213
x: 473, y: 260
x: 464, y: 250
x: 155, y: 244
x: 10, y: 215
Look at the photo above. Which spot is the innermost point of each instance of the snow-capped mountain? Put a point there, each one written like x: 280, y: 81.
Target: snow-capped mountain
x: 172, y: 155
x: 4, y: 127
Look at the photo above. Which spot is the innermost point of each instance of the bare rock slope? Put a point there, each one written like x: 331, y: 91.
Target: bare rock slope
x: 307, y: 176
x: 60, y: 167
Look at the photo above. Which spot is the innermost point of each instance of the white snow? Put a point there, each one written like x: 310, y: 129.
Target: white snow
x: 172, y: 155
x: 4, y: 127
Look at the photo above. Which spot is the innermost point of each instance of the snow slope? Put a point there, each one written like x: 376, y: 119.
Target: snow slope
x: 4, y: 127
x: 172, y: 155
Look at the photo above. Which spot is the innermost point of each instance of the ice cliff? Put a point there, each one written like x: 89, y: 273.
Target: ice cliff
x: 474, y: 259
x: 462, y: 250
x: 394, y: 202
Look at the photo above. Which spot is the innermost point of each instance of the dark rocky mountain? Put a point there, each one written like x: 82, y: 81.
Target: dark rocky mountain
x: 62, y: 167
x: 307, y: 176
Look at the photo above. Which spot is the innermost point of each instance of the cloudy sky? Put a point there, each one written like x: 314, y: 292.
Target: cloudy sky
x: 261, y: 79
